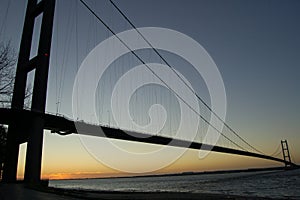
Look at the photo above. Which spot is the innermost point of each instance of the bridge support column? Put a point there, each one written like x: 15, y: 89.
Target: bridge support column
x: 286, y: 153
x: 41, y: 65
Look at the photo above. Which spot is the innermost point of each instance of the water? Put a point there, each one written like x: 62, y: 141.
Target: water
x: 275, y: 184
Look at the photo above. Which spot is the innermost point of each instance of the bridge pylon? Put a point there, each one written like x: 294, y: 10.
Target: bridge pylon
x: 286, y: 153
x: 39, y: 63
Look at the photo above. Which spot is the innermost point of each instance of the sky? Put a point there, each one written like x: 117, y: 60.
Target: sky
x: 255, y: 45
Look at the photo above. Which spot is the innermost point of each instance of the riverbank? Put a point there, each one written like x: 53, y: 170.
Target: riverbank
x: 279, y: 184
x: 22, y: 192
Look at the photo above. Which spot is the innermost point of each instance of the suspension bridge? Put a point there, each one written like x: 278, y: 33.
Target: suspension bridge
x: 29, y: 125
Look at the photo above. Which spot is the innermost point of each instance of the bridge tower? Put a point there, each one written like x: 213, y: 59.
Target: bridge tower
x: 40, y: 63
x: 286, y: 153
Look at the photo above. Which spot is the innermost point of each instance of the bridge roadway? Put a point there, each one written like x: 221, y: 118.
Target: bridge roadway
x: 63, y: 126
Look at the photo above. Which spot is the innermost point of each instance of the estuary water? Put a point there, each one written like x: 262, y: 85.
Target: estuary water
x: 272, y: 184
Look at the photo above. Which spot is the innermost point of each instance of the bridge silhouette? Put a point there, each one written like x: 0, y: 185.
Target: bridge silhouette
x: 64, y: 126
x: 29, y: 125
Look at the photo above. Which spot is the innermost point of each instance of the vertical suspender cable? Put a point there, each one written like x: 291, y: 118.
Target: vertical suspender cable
x: 153, y: 72
x: 189, y: 87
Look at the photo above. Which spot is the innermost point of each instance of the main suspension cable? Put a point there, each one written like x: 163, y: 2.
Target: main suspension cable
x: 187, y: 85
x: 197, y: 113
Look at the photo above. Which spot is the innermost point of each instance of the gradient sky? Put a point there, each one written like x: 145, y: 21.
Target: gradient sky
x: 254, y: 43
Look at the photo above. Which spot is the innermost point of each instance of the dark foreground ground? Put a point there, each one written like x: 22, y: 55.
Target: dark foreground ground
x: 21, y: 192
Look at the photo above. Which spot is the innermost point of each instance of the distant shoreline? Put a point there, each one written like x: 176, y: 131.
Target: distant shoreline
x: 185, y: 173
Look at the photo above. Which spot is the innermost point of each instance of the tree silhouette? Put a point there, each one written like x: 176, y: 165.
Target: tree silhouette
x: 3, y: 137
x: 7, y: 69
x: 8, y: 60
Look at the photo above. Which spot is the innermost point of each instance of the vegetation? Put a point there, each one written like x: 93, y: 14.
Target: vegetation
x: 8, y: 60
x: 3, y: 137
x: 7, y: 71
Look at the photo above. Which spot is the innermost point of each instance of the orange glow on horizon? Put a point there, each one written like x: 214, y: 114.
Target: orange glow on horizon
x: 74, y: 162
x: 75, y: 175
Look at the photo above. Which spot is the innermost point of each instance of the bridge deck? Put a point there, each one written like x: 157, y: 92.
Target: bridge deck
x: 64, y: 126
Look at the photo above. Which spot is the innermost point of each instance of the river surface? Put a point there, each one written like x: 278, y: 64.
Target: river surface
x: 273, y: 184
